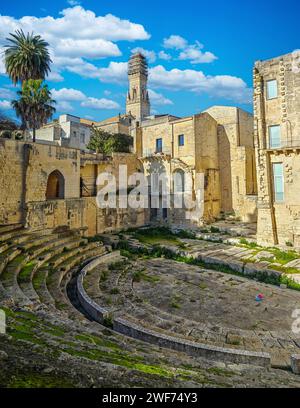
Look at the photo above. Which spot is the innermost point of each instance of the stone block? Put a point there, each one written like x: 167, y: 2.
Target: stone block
x: 295, y: 363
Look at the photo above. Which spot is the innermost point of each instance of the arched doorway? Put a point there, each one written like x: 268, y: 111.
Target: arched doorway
x: 179, y: 181
x: 55, y: 186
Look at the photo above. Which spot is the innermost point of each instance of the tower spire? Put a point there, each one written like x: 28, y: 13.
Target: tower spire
x: 137, y: 102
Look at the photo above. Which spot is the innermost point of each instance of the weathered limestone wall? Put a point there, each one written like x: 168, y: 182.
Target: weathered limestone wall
x: 24, y: 172
x: 43, y: 160
x: 207, y: 162
x: 199, y: 154
x: 186, y: 127
x: 154, y: 129
x: 114, y: 127
x: 236, y: 161
x: 278, y: 222
x: 12, y: 174
x: 82, y: 213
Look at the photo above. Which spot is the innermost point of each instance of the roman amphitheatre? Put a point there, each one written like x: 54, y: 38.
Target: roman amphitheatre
x: 144, y: 307
x: 149, y: 296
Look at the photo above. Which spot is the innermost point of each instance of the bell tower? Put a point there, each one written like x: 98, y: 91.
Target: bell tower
x: 137, y: 102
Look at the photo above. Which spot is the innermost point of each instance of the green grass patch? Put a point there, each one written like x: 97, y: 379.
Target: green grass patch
x: 40, y: 380
x: 141, y: 275
x: 117, y: 266
x: 25, y: 273
x: 221, y: 371
x: 174, y: 304
x: 104, y: 276
x: 153, y: 236
x: 97, y: 341
x: 114, y: 291
x: 283, y: 257
x: 261, y: 276
x: 214, y: 230
x: 251, y: 245
x: 38, y: 279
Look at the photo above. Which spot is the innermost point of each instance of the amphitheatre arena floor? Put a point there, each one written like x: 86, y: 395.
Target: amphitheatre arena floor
x: 193, y: 294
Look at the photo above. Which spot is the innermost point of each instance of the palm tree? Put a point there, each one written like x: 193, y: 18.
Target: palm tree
x: 26, y: 57
x: 35, y: 105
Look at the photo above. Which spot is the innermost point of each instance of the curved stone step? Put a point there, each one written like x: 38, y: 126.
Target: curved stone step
x: 25, y: 279
x: 55, y: 278
x: 8, y: 256
x: 9, y: 228
x: 27, y: 260
x: 12, y: 250
x: 41, y: 289
x: 21, y: 234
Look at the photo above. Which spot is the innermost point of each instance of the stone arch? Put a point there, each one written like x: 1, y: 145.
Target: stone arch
x: 179, y: 181
x: 55, y: 186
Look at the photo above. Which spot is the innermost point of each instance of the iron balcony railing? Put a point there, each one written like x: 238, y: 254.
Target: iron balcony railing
x: 153, y: 152
x: 283, y: 144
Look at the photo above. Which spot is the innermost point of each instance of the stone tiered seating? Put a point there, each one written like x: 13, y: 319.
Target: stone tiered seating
x: 28, y: 259
x: 55, y: 276
x: 52, y: 250
x: 35, y: 273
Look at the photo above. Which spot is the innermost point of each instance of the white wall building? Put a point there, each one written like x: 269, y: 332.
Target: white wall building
x: 68, y: 131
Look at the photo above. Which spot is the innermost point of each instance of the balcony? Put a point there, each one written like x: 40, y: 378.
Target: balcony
x: 167, y: 151
x: 284, y: 145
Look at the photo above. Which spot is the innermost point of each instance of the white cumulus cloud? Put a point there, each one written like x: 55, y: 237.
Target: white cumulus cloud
x: 67, y: 94
x: 175, y: 41
x: 64, y: 106
x: 6, y: 93
x: 2, y: 65
x: 55, y: 76
x: 158, y: 99
x: 75, y: 36
x: 196, y: 56
x: 89, y: 48
x: 116, y: 72
x: 74, y: 2
x: 225, y: 86
x: 164, y: 55
x: 4, y: 104
x: 192, y: 52
x: 101, y: 103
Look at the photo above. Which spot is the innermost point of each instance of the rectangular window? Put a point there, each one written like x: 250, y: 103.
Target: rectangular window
x: 274, y: 136
x: 278, y: 182
x: 158, y: 145
x: 181, y: 140
x: 272, y: 91
x: 82, y: 138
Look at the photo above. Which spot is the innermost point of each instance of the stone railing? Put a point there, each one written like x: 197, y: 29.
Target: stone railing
x: 98, y: 313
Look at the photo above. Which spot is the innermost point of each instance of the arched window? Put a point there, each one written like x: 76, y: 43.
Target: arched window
x: 178, y: 181
x: 55, y: 186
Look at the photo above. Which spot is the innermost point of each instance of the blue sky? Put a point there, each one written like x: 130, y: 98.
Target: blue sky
x: 200, y: 53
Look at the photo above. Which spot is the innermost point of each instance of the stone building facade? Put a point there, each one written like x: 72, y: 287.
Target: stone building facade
x: 277, y: 140
x: 217, y: 143
x: 67, y: 131
x: 211, y: 152
x: 49, y: 186
x: 116, y: 124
